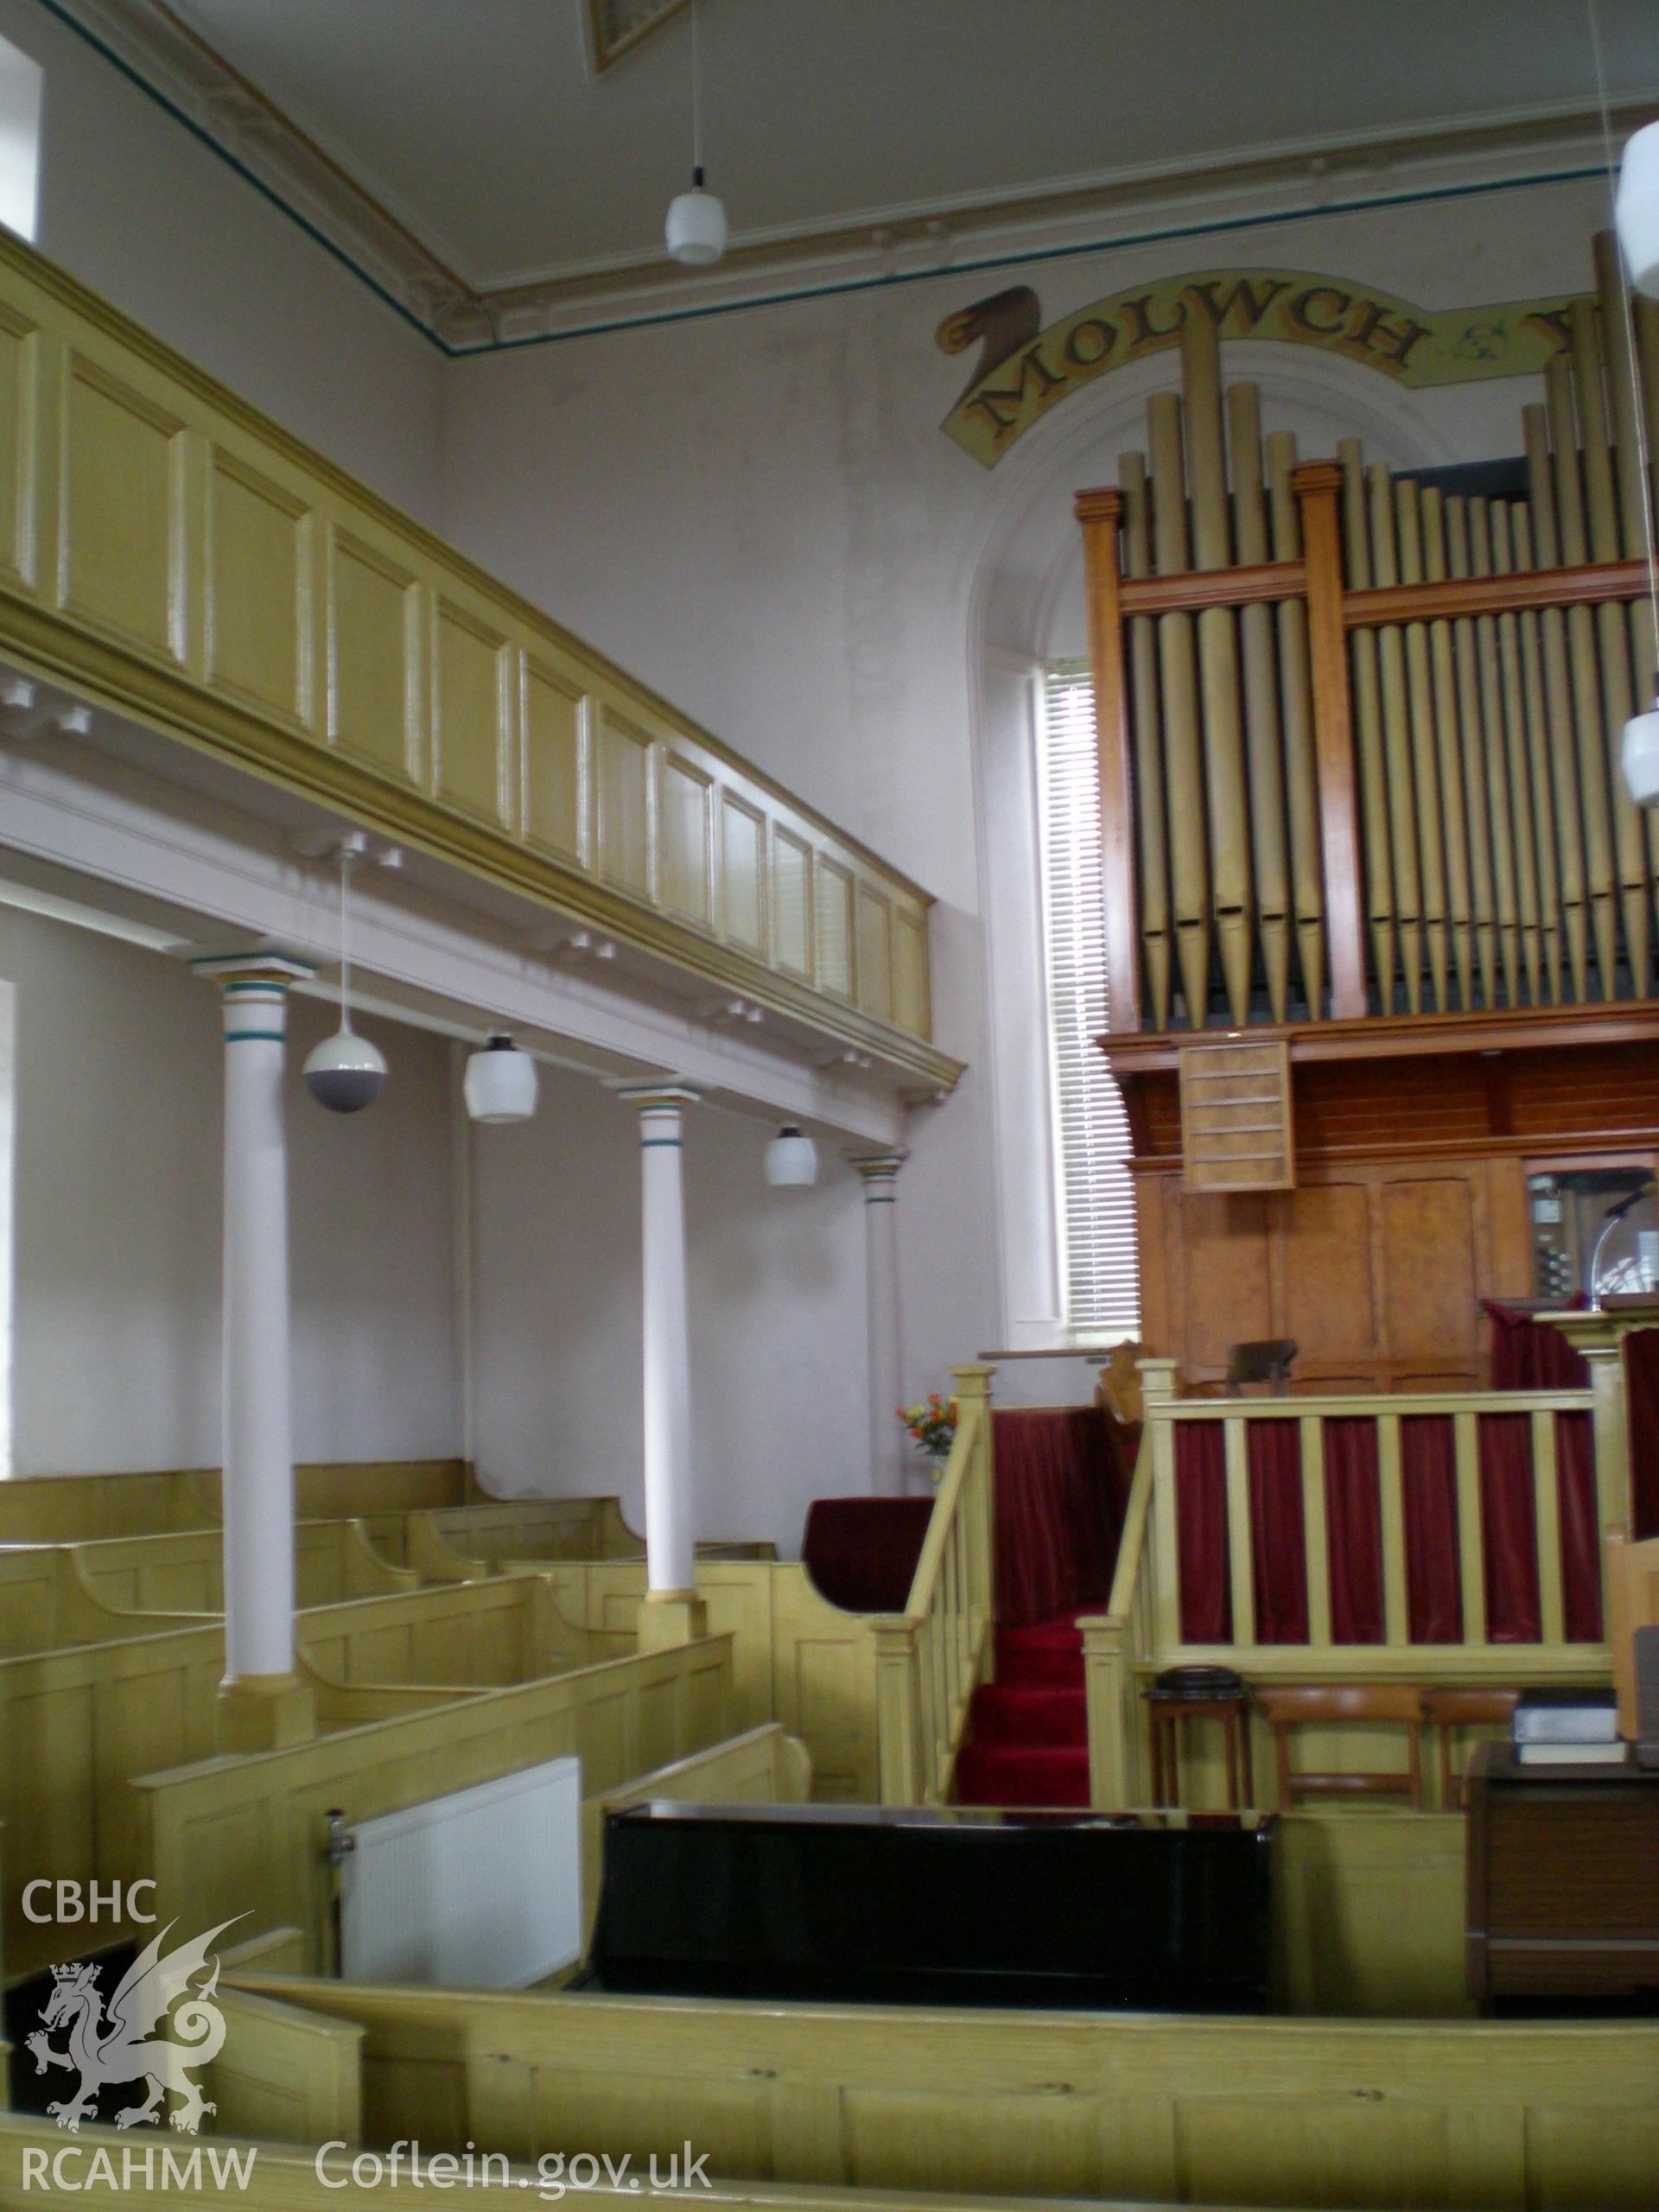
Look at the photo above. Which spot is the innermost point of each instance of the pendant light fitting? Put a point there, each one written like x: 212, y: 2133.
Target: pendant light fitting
x: 346, y: 1072
x: 695, y: 229
x: 1634, y: 189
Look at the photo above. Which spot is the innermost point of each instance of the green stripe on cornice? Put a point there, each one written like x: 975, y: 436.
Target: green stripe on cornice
x: 266, y: 191
x: 783, y: 296
x: 36, y: 267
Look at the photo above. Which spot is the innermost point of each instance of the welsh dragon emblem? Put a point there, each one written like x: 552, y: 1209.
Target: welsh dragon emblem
x: 123, y: 2044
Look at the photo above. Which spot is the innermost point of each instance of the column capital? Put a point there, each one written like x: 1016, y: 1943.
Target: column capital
x: 225, y: 969
x: 670, y: 1091
x: 877, y: 1172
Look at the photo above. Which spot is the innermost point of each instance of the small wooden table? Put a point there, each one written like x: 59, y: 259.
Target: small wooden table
x: 1563, y: 1879
x: 1166, y: 1709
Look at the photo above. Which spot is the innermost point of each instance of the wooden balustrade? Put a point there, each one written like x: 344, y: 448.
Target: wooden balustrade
x: 929, y: 1658
x: 1141, y: 1630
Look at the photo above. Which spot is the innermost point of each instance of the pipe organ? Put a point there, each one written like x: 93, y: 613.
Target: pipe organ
x: 1358, y: 738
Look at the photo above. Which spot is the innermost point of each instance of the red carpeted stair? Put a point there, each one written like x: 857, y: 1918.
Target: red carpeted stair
x: 1027, y: 1732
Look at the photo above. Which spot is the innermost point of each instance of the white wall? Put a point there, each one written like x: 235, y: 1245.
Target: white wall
x: 139, y: 208
x: 757, y: 513
x: 118, y: 1158
x: 777, y: 1282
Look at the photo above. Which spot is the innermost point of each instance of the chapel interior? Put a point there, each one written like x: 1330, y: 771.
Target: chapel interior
x: 830, y: 1103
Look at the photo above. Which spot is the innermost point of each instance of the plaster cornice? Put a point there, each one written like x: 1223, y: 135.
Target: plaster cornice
x: 482, y: 313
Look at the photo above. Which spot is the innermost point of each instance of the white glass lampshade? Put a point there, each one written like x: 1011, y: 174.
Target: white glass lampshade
x: 499, y: 1085
x: 792, y: 1159
x: 345, y: 1072
x: 1639, y: 757
x: 695, y: 230
x: 1636, y: 209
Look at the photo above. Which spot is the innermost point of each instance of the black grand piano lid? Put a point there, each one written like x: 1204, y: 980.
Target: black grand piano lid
x: 935, y: 1905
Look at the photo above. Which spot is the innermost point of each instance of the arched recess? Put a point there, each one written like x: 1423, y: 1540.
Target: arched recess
x: 1026, y: 610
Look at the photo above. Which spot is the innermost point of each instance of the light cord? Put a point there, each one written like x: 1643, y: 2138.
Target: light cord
x: 1627, y: 318
x: 345, y: 946
x: 696, y: 99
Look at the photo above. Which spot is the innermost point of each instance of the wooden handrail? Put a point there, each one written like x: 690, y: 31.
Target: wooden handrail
x: 1139, y: 1631
x: 1360, y: 1405
x: 930, y: 1656
x: 1132, y: 1544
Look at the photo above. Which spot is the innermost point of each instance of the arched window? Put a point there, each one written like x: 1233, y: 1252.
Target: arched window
x: 1094, y: 1198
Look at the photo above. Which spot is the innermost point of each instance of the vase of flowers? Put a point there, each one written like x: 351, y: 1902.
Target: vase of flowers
x: 932, y: 1426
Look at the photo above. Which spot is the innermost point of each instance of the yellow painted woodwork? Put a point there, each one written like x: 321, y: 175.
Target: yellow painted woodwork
x: 1167, y: 2109
x: 285, y: 2179
x: 1368, y: 1913
x: 243, y: 1835
x: 55, y: 1509
x: 285, y: 2075
x: 1139, y: 1633
x: 931, y: 1657
x: 170, y: 553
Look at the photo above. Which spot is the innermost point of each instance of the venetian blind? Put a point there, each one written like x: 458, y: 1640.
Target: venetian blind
x: 1091, y: 1137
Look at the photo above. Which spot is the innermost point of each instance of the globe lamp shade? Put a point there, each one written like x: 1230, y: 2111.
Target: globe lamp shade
x: 1636, y: 209
x: 1639, y: 757
x: 345, y: 1072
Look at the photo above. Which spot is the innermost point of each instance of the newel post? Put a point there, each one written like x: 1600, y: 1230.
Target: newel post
x: 1107, y: 1689
x: 972, y: 1386
x: 898, y: 1711
x: 1599, y: 1339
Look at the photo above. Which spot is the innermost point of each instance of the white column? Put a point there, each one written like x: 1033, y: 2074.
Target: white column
x: 670, y: 1520
x: 258, y: 1478
x: 888, y: 1461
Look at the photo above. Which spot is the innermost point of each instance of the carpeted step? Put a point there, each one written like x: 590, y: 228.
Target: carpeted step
x: 1004, y: 1774
x: 1049, y: 1653
x: 1034, y: 1715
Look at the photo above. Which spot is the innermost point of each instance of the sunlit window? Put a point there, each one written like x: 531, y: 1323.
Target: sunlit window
x: 1094, y: 1197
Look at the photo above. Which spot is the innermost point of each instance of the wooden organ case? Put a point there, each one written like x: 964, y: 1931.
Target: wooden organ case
x: 1361, y: 803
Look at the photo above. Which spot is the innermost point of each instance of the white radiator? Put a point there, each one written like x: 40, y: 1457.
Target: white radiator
x: 478, y: 1891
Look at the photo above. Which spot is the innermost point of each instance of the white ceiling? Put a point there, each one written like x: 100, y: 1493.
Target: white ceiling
x: 477, y: 124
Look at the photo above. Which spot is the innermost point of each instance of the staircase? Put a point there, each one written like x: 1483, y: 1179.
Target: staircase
x: 1027, y: 1741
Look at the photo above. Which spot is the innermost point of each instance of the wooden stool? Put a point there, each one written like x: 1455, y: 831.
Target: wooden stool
x: 1166, y: 1709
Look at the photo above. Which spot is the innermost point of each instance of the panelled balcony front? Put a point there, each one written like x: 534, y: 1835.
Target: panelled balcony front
x: 170, y: 553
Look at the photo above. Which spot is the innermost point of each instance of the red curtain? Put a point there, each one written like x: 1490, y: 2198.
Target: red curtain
x: 1429, y: 1495
x: 861, y: 1552
x: 1354, y: 1533
x: 1353, y: 1518
x: 1061, y: 1487
x: 1575, y: 1489
x: 1642, y: 1398
x: 1201, y: 1533
x: 1509, y: 1529
x: 1278, y: 1542
x: 1529, y: 1355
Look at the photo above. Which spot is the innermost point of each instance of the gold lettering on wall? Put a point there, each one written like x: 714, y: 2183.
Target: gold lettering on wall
x: 1023, y: 372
